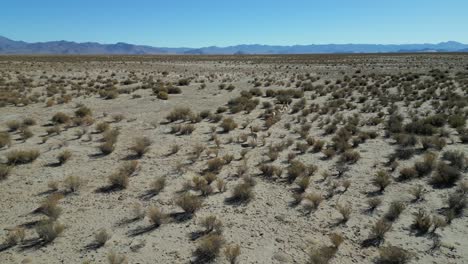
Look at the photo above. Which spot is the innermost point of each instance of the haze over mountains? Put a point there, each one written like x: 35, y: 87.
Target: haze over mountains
x: 8, y: 46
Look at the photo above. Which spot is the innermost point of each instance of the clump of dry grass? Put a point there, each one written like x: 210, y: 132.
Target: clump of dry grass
x: 115, y: 258
x: 101, y: 237
x: 350, y: 156
x: 374, y: 203
x: 156, y: 216
x: 228, y: 124
x: 15, y: 237
x: 215, y: 164
x: 61, y: 118
x: 445, y: 176
x: 394, y: 211
x: 323, y: 254
x: 345, y: 211
x: 5, y: 139
x: 393, y: 255
x: 157, y: 185
x: 212, y: 224
x: 64, y: 156
x: 73, y: 183
x: 189, y: 203
x: 141, y: 146
x: 312, y: 201
x: 16, y: 157
x: 242, y: 192
x: 381, y: 180
x: 179, y: 114
x: 49, y: 230
x: 208, y: 248
x: 4, y: 171
x: 422, y: 221
x: 232, y: 252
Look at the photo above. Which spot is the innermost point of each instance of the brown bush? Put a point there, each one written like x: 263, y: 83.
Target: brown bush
x: 64, y: 156
x: 141, y: 146
x: 422, y: 221
x: 179, y: 114
x: 445, y: 176
x: 394, y: 211
x: 215, y: 164
x: 393, y: 255
x: 232, y: 252
x: 350, y: 156
x: 381, y: 180
x: 208, y: 248
x: 101, y: 237
x: 73, y: 183
x: 212, y: 225
x: 408, y: 174
x: 5, y: 139
x: 4, y: 171
x: 156, y: 216
x: 60, y: 118
x: 242, y: 193
x: 228, y: 124
x: 16, y: 157
x: 49, y: 230
x: 189, y: 203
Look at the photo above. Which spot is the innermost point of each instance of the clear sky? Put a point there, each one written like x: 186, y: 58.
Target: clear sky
x: 198, y: 23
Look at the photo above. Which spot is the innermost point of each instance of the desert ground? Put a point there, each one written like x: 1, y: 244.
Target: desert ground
x: 234, y: 159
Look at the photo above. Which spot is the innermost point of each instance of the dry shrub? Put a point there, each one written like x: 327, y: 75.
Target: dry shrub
x: 379, y: 229
x: 373, y: 203
x: 393, y: 255
x: 189, y: 203
x: 456, y: 158
x: 179, y: 114
x: 83, y: 111
x: 115, y: 258
x: 5, y: 139
x: 64, y: 156
x: 26, y: 133
x: 394, y: 211
x: 102, y: 127
x: 73, y: 183
x: 228, y: 124
x: 296, y: 169
x: 313, y: 201
x: 422, y: 221
x: 50, y: 207
x: 4, y: 171
x: 303, y: 183
x: 16, y: 157
x: 101, y: 237
x: 445, y: 176
x: 15, y: 236
x: 270, y: 170
x: 345, y: 211
x: 208, y: 248
x: 13, y: 125
x: 408, y: 173
x: 242, y: 193
x: 221, y: 185
x: 232, y: 252
x: 426, y: 166
x: 215, y: 164
x: 381, y: 180
x: 158, y: 185
x: 156, y: 216
x: 60, y: 118
x: 212, y: 224
x: 107, y: 147
x: 118, y: 180
x: 49, y: 230
x: 350, y: 156
x: 141, y: 146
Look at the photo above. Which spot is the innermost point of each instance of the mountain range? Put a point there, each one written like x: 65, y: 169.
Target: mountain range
x: 8, y: 46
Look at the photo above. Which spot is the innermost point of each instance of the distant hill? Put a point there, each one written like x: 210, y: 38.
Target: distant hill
x: 8, y: 46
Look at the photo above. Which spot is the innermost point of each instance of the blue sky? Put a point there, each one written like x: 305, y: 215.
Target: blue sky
x: 198, y: 23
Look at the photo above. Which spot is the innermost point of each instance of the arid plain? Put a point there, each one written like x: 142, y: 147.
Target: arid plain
x: 234, y: 159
